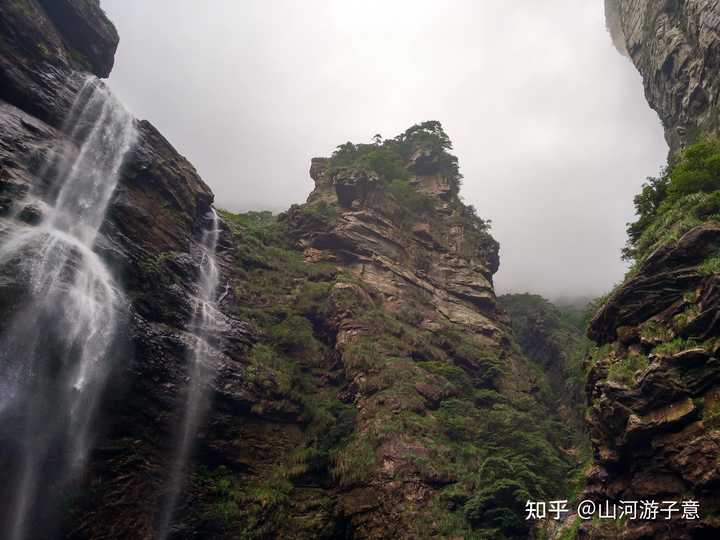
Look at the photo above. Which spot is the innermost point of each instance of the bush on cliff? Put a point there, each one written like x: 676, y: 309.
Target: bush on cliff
x: 697, y: 170
x: 500, y: 506
x: 388, y: 157
x: 685, y: 195
x: 409, y: 198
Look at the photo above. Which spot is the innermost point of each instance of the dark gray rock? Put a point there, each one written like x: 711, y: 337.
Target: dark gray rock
x: 675, y: 46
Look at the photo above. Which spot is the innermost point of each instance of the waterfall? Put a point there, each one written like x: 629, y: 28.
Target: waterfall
x: 203, y: 325
x: 55, y: 349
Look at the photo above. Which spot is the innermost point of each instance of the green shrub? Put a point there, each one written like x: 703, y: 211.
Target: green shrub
x: 383, y: 161
x: 672, y: 347
x: 354, y: 462
x: 220, y: 483
x: 683, y: 196
x: 267, y: 368
x: 312, y: 298
x: 688, y: 315
x: 457, y: 419
x: 364, y: 355
x: 485, y: 397
x: 455, y: 375
x: 571, y: 531
x: 294, y: 334
x: 654, y: 331
x: 500, y: 506
x: 624, y: 369
x: 388, y: 157
x: 710, y: 266
x: 342, y: 425
x: 409, y: 198
x: 698, y: 169
x: 481, y: 363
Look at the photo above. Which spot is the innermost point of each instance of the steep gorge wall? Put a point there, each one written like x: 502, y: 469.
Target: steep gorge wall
x: 653, y: 384
x: 149, y: 240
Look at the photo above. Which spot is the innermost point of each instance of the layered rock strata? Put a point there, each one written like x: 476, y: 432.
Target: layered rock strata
x: 675, y: 46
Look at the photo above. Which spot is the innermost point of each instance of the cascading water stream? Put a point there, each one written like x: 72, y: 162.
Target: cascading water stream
x: 203, y: 325
x: 55, y: 351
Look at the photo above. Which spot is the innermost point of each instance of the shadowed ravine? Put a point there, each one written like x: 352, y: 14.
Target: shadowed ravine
x: 54, y: 352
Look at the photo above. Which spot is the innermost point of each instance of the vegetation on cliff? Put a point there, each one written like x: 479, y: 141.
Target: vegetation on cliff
x: 388, y: 157
x: 391, y: 406
x: 686, y: 194
x: 554, y: 339
x: 434, y: 404
x: 651, y: 385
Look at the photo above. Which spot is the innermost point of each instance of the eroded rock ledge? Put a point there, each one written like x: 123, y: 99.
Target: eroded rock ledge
x: 653, y: 389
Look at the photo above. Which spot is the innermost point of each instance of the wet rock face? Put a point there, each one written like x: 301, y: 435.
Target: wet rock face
x: 150, y: 240
x: 676, y: 46
x: 87, y: 31
x: 42, y: 44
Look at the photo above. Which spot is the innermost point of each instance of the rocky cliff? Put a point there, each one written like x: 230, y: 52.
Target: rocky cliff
x: 675, y: 46
x: 367, y: 384
x: 402, y: 406
x: 652, y: 388
x: 149, y: 239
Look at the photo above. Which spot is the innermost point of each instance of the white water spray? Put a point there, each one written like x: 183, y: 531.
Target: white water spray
x: 203, y: 325
x: 54, y: 352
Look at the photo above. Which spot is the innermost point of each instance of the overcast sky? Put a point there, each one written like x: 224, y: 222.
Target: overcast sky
x: 549, y: 122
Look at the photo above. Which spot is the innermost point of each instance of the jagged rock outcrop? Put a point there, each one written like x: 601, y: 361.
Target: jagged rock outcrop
x: 415, y: 331
x: 652, y: 389
x: 42, y: 43
x: 85, y: 30
x: 432, y: 256
x: 383, y: 377
x: 422, y: 267
x: 676, y: 47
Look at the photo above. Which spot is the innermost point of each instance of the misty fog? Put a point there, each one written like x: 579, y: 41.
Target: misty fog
x: 548, y: 120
